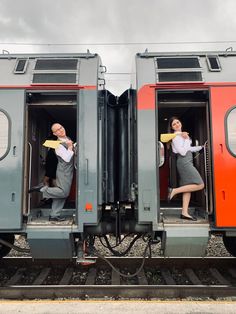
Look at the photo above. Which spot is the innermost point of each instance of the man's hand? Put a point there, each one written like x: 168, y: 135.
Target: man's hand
x: 70, y: 144
x: 46, y: 180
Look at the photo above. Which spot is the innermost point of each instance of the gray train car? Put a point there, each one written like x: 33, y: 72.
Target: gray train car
x: 200, y: 89
x: 37, y: 90
x: 122, y: 169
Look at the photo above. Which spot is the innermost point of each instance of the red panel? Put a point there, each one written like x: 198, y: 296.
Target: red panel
x: 224, y: 168
x: 146, y: 98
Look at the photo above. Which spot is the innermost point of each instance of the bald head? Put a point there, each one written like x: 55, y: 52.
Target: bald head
x: 58, y: 130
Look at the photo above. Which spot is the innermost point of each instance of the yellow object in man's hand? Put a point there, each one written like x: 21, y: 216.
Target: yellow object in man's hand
x: 165, y: 138
x: 51, y: 144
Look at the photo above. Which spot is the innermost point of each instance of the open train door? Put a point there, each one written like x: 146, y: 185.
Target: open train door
x: 223, y: 112
x: 11, y: 157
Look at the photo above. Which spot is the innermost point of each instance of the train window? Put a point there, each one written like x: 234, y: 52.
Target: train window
x: 178, y: 69
x: 56, y: 64
x: 4, y: 134
x: 21, y: 65
x: 66, y: 78
x: 180, y: 76
x: 55, y: 71
x: 231, y: 131
x: 213, y: 63
x: 178, y: 63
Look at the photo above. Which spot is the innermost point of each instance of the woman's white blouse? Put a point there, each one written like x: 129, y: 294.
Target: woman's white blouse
x: 182, y: 145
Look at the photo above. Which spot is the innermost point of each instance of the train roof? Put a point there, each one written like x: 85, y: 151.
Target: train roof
x: 7, y: 55
x: 207, y: 67
x: 224, y: 53
x: 23, y: 70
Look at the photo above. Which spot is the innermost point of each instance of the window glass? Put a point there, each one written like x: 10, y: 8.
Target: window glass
x: 66, y: 78
x: 177, y: 63
x: 21, y: 65
x: 56, y: 64
x: 231, y: 131
x: 213, y: 63
x: 4, y: 134
x: 179, y: 76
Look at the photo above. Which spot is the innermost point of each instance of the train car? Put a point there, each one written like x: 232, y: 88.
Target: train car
x: 37, y: 90
x: 122, y: 169
x: 200, y: 89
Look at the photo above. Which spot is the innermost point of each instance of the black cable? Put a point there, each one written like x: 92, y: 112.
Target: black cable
x: 116, y: 253
x: 100, y: 239
x: 118, y: 272
x: 12, y: 246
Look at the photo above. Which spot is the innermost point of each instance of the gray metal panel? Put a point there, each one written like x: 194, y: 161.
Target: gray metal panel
x: 88, y: 158
x: 186, y: 240
x: 147, y: 169
x: 146, y: 72
x: 50, y: 243
x: 12, y: 102
x: 88, y: 72
x: 8, y: 77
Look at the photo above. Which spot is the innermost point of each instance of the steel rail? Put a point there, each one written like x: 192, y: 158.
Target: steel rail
x: 118, y: 288
x: 116, y: 292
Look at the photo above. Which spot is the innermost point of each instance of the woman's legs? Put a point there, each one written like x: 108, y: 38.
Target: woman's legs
x: 186, y: 200
x: 186, y: 188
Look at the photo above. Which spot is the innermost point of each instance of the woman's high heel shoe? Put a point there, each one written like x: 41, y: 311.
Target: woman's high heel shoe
x: 169, y: 194
x: 193, y: 218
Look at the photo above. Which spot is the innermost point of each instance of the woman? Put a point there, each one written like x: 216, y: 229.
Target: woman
x: 190, y: 179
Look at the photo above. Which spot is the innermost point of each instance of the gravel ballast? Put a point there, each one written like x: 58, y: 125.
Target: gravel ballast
x: 215, y: 247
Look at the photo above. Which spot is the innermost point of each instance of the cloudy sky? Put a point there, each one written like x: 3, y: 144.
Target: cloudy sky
x: 116, y: 29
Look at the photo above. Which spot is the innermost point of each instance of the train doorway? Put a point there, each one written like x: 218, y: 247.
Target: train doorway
x: 42, y: 110
x: 192, y: 108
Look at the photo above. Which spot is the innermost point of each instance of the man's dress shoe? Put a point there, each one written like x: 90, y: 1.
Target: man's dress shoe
x: 36, y: 188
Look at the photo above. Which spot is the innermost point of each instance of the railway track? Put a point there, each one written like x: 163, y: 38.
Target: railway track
x: 23, y: 278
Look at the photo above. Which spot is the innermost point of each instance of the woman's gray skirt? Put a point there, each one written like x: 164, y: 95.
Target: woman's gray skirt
x: 188, y: 174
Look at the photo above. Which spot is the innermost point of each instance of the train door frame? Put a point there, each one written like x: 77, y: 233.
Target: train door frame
x: 57, y: 110
x: 190, y: 105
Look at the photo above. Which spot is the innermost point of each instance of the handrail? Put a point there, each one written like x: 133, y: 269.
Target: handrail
x: 29, y: 180
x: 161, y: 153
x: 206, y: 181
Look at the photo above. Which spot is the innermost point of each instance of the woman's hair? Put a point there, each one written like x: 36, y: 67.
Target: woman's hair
x: 170, y: 130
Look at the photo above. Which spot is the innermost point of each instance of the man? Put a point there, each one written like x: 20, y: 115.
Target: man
x: 64, y: 174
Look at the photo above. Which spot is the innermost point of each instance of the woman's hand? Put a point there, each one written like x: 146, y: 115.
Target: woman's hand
x: 205, y: 144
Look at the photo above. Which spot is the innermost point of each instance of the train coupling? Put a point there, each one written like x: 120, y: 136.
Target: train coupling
x: 81, y: 258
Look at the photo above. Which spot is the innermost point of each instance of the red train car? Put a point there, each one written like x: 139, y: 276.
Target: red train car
x: 200, y: 89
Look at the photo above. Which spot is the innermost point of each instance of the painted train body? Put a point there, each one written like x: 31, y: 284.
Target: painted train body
x: 122, y: 170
